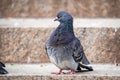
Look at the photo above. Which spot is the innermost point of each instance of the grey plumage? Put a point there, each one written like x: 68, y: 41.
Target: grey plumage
x: 63, y: 48
x: 2, y: 70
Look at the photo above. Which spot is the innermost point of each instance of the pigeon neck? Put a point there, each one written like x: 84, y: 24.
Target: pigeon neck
x: 68, y: 26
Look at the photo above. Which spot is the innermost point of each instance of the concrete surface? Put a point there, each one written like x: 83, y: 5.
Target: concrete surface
x: 43, y: 72
x: 49, y: 22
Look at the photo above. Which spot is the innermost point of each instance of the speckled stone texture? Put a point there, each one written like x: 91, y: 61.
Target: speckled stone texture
x: 23, y: 44
x: 49, y: 8
x: 43, y: 72
x: 72, y: 77
x: 27, y: 45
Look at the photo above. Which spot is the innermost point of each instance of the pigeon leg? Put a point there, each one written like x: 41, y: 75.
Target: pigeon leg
x: 71, y: 72
x: 60, y: 72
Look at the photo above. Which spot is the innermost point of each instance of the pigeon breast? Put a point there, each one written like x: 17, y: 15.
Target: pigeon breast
x: 61, y: 36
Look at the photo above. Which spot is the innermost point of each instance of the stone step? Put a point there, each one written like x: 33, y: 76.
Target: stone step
x: 23, y: 40
x: 50, y: 23
x: 43, y: 72
x: 49, y: 8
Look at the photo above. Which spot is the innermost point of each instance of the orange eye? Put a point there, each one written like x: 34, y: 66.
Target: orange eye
x: 59, y: 16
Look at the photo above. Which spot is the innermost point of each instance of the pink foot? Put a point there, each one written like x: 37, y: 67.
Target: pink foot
x: 60, y: 72
x: 71, y: 72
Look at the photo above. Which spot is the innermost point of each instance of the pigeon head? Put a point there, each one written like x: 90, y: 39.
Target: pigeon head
x: 64, y: 17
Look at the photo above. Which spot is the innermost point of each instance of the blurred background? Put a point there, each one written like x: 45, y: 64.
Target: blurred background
x: 49, y: 8
x: 26, y: 45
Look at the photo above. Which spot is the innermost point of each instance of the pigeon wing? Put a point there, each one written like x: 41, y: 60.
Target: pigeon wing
x: 78, y: 52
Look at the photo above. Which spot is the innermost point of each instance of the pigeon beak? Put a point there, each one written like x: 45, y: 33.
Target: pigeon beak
x: 56, y: 19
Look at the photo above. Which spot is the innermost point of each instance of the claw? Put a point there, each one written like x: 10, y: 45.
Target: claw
x: 60, y: 72
x: 57, y: 73
x: 71, y: 72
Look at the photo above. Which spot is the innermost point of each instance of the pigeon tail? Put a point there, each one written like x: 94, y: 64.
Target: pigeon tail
x: 89, y: 68
x: 2, y: 70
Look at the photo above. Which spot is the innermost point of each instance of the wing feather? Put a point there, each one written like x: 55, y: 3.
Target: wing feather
x: 78, y: 53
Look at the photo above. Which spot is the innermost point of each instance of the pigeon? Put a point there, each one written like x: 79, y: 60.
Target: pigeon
x: 2, y: 70
x: 64, y: 49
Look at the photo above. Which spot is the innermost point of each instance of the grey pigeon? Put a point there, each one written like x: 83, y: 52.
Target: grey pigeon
x: 2, y: 70
x: 64, y: 49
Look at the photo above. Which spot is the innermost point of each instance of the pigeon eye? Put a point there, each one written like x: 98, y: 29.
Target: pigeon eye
x: 59, y: 16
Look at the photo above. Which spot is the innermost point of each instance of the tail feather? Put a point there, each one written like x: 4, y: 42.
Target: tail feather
x: 2, y: 70
x: 89, y: 68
